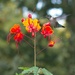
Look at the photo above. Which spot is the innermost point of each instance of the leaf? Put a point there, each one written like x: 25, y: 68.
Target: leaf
x: 35, y: 70
x: 16, y: 73
x: 46, y: 72
x: 40, y: 71
x: 23, y: 68
x: 31, y: 70
x: 19, y: 74
x: 25, y: 71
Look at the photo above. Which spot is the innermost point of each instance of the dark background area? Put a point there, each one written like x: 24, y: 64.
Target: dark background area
x: 60, y: 59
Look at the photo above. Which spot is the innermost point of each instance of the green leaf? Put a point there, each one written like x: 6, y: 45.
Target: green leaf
x: 23, y: 68
x: 25, y: 71
x: 16, y: 73
x: 19, y: 74
x: 46, y: 72
x: 33, y: 70
x: 40, y: 71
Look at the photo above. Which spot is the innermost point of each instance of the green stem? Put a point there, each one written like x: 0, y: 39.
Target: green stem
x: 35, y: 50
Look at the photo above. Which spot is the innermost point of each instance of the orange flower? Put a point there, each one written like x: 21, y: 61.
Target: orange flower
x: 51, y: 43
x: 15, y: 29
x: 46, y: 30
x: 17, y: 34
x: 18, y: 37
x: 31, y: 25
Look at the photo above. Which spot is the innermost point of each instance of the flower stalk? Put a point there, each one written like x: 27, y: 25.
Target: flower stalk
x: 35, y: 50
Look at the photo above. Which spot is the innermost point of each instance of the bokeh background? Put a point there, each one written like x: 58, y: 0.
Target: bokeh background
x: 60, y: 59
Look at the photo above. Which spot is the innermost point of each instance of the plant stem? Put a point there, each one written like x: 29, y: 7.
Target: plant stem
x: 35, y: 50
x: 42, y: 50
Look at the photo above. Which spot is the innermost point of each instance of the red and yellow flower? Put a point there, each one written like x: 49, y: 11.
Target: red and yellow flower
x: 46, y: 30
x: 31, y: 25
x: 51, y: 43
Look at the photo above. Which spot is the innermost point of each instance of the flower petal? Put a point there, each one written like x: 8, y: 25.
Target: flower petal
x: 51, y: 43
x: 15, y: 29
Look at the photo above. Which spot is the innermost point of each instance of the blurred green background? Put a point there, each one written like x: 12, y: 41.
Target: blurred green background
x: 60, y: 59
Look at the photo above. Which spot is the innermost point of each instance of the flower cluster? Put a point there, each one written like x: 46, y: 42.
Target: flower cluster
x: 46, y: 30
x: 15, y: 31
x: 32, y: 26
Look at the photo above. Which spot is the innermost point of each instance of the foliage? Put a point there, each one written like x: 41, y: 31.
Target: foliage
x: 35, y: 71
